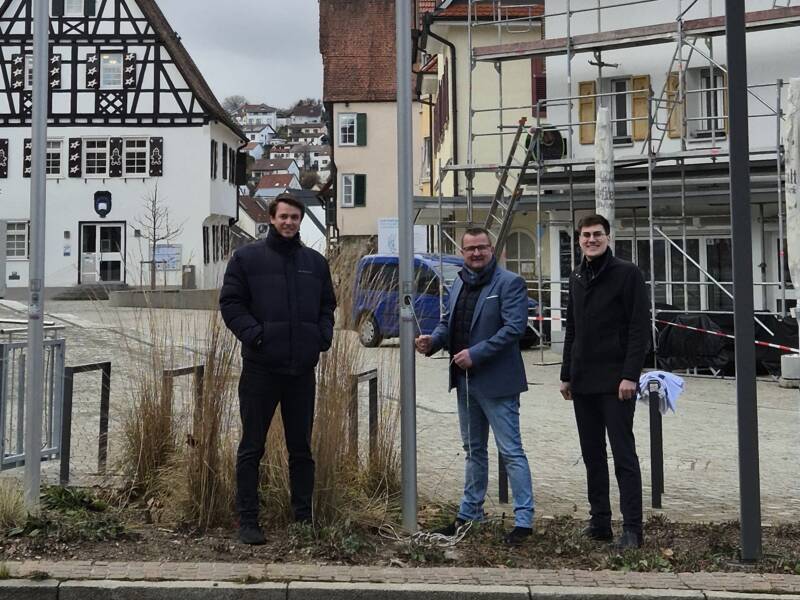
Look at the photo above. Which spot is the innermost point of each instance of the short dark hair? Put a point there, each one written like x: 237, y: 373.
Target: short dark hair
x: 591, y: 220
x: 286, y: 198
x: 477, y: 231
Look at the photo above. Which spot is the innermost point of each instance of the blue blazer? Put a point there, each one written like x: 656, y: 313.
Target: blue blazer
x: 499, y: 321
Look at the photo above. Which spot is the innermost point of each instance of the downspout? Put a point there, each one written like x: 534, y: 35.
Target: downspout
x: 453, y: 94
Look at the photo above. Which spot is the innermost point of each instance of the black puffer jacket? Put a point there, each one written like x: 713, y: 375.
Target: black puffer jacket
x: 608, y: 326
x: 277, y: 298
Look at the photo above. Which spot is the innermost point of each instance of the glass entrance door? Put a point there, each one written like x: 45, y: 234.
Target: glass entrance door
x: 102, y: 252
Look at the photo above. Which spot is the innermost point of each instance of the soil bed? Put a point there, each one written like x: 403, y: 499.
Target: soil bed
x: 108, y: 534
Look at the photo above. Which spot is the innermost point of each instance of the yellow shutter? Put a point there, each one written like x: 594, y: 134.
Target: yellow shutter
x: 674, y: 110
x: 587, y: 111
x: 725, y: 98
x: 641, y: 87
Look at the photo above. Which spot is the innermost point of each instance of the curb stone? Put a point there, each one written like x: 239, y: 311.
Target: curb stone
x: 397, y: 591
x: 25, y: 589
x: 542, y: 592
x: 169, y: 590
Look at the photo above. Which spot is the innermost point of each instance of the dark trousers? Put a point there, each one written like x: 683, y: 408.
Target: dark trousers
x: 596, y: 415
x: 260, y: 393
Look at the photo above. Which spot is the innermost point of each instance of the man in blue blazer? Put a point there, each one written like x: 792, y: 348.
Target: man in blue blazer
x: 486, y: 316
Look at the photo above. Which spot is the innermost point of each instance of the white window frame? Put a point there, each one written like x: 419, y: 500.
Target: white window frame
x: 107, y: 70
x: 348, y: 190
x: 74, y: 8
x: 52, y: 153
x: 25, y: 233
x: 344, y: 121
x: 625, y: 96
x: 87, y: 150
x: 708, y: 81
x: 145, y: 151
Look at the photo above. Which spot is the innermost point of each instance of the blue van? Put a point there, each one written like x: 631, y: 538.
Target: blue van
x: 376, y: 296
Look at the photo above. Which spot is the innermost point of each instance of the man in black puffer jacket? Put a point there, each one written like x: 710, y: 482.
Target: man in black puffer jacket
x: 607, y: 338
x: 278, y: 300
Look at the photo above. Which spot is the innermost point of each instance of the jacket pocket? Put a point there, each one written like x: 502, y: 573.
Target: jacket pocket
x: 308, y: 344
x: 275, y: 341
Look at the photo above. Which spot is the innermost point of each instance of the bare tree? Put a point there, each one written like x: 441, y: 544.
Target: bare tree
x: 232, y: 103
x: 155, y: 227
x: 308, y: 179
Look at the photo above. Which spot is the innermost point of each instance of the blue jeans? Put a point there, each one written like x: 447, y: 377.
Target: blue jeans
x: 475, y: 415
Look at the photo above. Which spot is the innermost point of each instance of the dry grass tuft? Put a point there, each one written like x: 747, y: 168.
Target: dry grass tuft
x: 12, y: 504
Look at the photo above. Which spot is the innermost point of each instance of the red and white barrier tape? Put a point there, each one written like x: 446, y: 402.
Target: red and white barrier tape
x: 729, y: 336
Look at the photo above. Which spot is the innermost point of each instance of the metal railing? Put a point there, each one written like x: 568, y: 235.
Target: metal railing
x: 12, y: 400
x: 66, y: 423
x: 371, y: 377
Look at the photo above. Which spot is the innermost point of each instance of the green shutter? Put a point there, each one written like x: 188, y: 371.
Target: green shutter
x: 58, y: 8
x: 89, y: 8
x: 361, y: 129
x: 360, y: 190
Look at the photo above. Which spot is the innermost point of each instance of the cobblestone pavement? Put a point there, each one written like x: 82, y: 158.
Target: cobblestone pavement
x: 138, y: 571
x: 701, y: 460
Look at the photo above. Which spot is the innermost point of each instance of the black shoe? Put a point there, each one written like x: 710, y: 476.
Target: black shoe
x: 518, y: 535
x: 251, y: 534
x: 598, y: 534
x: 451, y: 529
x: 629, y: 539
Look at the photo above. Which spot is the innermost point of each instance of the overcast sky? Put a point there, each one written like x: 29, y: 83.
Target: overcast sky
x: 265, y: 50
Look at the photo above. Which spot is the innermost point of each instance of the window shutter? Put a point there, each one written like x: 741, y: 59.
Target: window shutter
x: 587, y: 111
x: 674, y: 110
x: 641, y: 99
x: 27, y: 159
x: 156, y: 156
x: 89, y: 8
x: 361, y: 129
x: 129, y: 71
x: 3, y: 158
x: 58, y: 8
x: 538, y: 84
x: 232, y: 169
x: 212, y: 157
x: 18, y: 72
x: 224, y: 161
x: 92, y: 72
x: 360, y: 190
x: 115, y: 157
x: 75, y: 157
x: 55, y: 72
x: 241, y: 169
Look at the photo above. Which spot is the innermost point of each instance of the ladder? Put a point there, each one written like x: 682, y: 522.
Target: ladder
x: 509, y: 188
x: 682, y: 65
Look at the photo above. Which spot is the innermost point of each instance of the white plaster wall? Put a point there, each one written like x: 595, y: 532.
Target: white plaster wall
x: 185, y: 188
x: 771, y: 55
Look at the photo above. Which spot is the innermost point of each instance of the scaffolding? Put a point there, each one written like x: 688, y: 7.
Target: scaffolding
x: 646, y: 165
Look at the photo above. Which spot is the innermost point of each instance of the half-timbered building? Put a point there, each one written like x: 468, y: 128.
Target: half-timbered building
x: 131, y: 120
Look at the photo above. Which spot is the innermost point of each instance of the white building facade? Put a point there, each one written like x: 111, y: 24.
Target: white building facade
x: 131, y: 119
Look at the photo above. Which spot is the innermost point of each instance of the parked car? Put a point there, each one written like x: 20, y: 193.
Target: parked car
x: 376, y: 296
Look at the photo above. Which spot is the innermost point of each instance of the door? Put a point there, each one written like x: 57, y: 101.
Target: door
x: 102, y: 252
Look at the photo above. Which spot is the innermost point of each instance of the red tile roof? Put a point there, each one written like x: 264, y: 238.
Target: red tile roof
x: 516, y: 9
x: 283, y: 180
x: 255, y: 208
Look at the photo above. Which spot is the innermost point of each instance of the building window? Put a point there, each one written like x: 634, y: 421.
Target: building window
x: 347, y: 129
x: 17, y: 239
x: 521, y: 255
x: 348, y: 191
x: 621, y: 110
x: 136, y: 157
x: 425, y: 171
x: 712, y: 90
x: 73, y: 8
x: 111, y: 71
x: 53, y: 165
x: 95, y: 158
